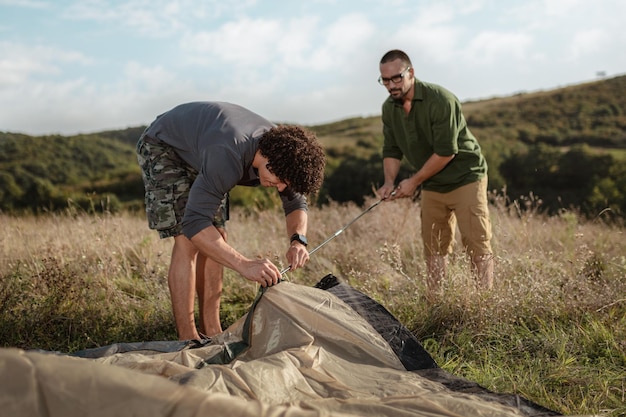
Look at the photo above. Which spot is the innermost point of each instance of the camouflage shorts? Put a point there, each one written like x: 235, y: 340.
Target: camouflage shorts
x: 167, y: 180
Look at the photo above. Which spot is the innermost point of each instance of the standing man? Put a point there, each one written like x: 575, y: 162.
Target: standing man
x: 191, y: 157
x: 424, y: 123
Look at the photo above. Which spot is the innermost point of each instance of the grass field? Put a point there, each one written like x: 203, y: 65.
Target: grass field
x: 553, y: 329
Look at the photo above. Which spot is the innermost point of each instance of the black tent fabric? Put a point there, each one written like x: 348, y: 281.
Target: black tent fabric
x: 402, y: 341
x: 411, y: 353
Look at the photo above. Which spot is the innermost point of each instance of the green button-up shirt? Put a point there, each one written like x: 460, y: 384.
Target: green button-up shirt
x: 435, y: 124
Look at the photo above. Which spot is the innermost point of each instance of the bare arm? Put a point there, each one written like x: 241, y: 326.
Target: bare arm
x: 297, y: 254
x: 210, y: 243
x: 391, y: 168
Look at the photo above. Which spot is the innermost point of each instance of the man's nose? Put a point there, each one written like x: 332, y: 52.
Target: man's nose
x: 281, y: 186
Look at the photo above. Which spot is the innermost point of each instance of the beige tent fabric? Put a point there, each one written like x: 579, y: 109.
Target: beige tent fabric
x: 310, y: 354
x: 36, y: 384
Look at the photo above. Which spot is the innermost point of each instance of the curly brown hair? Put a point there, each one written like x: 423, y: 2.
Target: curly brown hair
x: 295, y: 156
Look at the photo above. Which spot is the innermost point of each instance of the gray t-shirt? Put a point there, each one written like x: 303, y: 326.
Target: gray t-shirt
x: 219, y: 140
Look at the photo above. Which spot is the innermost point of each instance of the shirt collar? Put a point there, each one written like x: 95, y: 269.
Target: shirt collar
x: 418, y: 93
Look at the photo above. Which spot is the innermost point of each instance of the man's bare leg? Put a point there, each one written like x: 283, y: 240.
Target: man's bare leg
x: 181, y: 280
x: 483, y: 268
x: 209, y: 281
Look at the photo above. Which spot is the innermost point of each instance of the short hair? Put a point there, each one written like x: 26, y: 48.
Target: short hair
x: 295, y: 156
x: 396, y: 54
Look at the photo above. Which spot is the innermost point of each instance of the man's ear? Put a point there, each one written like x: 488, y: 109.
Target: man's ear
x: 259, y: 160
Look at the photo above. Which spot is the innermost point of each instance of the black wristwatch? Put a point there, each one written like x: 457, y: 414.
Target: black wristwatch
x: 299, y: 238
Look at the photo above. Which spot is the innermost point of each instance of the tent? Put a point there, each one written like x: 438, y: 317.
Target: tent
x: 300, y: 351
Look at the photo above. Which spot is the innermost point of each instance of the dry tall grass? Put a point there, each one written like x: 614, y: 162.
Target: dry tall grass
x: 553, y: 328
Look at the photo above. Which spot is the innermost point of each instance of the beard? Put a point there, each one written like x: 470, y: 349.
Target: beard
x: 397, y: 94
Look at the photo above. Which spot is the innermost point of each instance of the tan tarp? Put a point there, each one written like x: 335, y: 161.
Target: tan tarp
x: 309, y: 354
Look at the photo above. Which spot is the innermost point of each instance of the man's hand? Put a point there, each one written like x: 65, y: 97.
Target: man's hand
x: 297, y: 255
x: 406, y: 188
x: 386, y: 191
x: 262, y: 271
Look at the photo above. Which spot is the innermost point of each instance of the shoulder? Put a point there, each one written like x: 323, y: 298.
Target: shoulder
x: 436, y: 92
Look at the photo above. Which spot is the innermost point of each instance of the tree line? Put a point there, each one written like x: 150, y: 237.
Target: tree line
x: 567, y: 147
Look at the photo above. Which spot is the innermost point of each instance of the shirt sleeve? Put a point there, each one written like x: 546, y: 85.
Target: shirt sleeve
x: 446, y: 125
x: 390, y: 147
x: 220, y: 172
x: 293, y: 201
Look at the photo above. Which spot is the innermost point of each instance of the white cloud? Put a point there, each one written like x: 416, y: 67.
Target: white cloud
x: 293, y: 49
x: 343, y: 42
x: 154, y: 18
x: 489, y: 48
x: 29, y: 4
x: 270, y: 56
x: 148, y: 78
x: 20, y: 62
x: 137, y: 96
x: 118, y: 62
x: 245, y: 41
x: 428, y: 35
x: 585, y: 43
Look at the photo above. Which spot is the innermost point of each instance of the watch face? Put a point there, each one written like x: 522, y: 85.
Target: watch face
x: 300, y: 238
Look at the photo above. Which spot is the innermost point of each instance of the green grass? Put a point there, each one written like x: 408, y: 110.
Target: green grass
x: 553, y: 329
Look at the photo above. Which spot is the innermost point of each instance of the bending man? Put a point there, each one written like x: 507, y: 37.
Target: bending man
x: 191, y: 157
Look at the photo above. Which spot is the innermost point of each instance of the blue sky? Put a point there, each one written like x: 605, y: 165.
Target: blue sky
x: 70, y: 66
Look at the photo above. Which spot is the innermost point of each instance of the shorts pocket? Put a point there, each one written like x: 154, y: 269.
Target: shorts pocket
x: 159, y: 209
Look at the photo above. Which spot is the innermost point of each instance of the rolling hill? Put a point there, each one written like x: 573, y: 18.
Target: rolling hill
x: 567, y: 145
